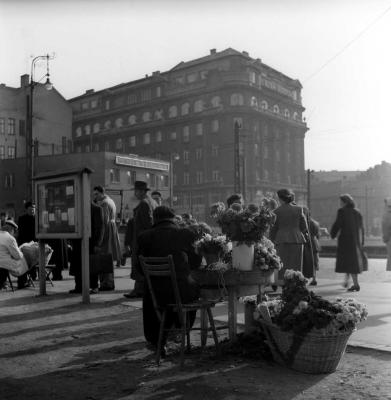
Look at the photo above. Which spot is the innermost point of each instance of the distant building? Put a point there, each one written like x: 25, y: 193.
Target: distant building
x: 52, y: 124
x: 115, y: 172
x: 190, y: 111
x: 369, y: 189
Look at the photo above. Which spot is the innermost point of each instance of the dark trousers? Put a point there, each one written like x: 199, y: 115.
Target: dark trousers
x: 3, y: 276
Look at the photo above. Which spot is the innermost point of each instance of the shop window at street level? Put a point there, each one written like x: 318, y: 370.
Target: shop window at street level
x: 11, y: 126
x: 131, y: 177
x: 166, y: 180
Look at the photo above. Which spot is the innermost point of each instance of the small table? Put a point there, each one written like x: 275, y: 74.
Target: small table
x: 231, y: 284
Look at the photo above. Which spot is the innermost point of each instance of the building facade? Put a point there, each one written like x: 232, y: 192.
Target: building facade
x: 187, y: 116
x: 115, y: 172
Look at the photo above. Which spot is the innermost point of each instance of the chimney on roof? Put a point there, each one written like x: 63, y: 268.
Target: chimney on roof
x: 212, y: 51
x: 258, y: 61
x: 24, y: 80
x: 89, y: 91
x: 245, y: 53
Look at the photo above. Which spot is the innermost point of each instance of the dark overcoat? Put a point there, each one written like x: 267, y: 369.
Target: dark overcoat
x: 349, y: 228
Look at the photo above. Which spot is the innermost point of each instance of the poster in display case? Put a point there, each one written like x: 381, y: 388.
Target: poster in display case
x: 59, y: 208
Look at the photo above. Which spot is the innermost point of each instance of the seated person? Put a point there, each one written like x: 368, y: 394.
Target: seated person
x: 11, y: 258
x: 163, y: 239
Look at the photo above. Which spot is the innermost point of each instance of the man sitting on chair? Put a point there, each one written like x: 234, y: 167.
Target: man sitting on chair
x: 163, y: 239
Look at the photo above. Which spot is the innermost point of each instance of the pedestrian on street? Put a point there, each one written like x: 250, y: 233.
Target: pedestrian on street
x: 288, y: 232
x: 386, y: 230
x: 236, y: 198
x: 157, y: 196
x: 26, y: 234
x: 349, y: 228
x: 142, y: 220
x: 110, y: 243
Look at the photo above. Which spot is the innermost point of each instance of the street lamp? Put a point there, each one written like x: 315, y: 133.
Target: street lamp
x: 30, y: 138
x: 173, y: 157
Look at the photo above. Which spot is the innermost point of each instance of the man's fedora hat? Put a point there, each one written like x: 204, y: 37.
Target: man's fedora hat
x: 140, y: 185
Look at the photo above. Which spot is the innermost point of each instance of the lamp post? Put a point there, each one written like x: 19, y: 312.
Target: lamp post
x: 30, y: 109
x: 173, y: 157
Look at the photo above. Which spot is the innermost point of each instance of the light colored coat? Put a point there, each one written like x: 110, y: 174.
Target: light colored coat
x: 11, y: 258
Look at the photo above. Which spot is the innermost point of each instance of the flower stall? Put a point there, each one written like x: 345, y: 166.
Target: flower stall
x: 305, y: 331
x: 240, y: 261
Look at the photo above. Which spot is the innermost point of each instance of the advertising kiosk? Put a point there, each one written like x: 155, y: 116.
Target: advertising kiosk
x: 63, y: 200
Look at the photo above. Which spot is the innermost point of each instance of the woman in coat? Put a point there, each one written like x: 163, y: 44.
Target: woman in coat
x: 288, y: 232
x: 386, y: 229
x: 350, y: 230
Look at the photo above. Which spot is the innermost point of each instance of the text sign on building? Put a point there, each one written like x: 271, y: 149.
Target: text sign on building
x: 142, y: 163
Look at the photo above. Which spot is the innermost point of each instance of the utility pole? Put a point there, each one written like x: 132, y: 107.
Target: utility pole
x: 237, y: 167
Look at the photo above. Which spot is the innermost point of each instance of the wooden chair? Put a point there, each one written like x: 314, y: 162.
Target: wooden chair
x: 164, y: 267
x: 49, y: 268
x: 10, y: 282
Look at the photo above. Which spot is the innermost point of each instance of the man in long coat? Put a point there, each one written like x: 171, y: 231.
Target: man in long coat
x: 142, y: 220
x: 110, y: 243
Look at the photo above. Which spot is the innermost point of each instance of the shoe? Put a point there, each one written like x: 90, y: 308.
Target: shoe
x: 94, y: 291
x: 313, y: 282
x: 133, y: 295
x: 354, y: 288
x: 73, y: 291
x: 106, y: 288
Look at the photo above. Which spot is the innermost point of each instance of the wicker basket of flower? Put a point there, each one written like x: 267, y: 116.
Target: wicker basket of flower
x: 304, y: 331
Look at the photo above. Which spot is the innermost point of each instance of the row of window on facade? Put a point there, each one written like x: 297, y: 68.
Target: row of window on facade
x: 237, y: 99
x: 155, y: 181
x: 132, y: 98
x: 8, y: 126
x: 199, y: 178
x: 11, y: 152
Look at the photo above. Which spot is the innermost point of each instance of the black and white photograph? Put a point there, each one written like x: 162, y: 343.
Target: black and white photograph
x: 195, y: 200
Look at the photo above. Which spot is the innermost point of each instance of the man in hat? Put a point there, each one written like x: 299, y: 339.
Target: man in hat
x: 11, y: 257
x: 142, y: 220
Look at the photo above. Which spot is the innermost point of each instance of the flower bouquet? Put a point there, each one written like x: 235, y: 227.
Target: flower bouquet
x: 212, y: 247
x: 265, y: 256
x: 305, y: 331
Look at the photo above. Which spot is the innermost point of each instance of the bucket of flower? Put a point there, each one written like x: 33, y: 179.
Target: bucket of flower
x: 304, y: 331
x: 220, y: 271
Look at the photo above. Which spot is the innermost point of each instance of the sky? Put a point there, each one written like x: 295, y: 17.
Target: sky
x: 338, y: 49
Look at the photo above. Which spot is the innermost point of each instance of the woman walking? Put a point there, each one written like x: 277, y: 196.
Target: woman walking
x: 386, y: 229
x: 350, y: 230
x: 288, y: 232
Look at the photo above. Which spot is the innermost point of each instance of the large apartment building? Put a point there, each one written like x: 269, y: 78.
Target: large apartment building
x: 187, y: 115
